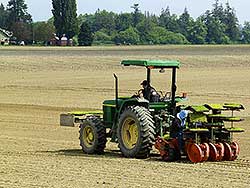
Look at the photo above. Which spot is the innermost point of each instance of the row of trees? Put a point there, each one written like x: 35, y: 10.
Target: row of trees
x: 217, y: 26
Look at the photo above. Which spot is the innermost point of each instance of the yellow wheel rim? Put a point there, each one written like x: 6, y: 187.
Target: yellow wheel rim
x: 130, y: 133
x: 88, y: 136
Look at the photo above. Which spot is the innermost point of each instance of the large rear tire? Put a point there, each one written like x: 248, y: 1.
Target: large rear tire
x: 136, y: 132
x: 92, y: 136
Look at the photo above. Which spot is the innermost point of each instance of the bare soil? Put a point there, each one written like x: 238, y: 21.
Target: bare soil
x: 37, y: 84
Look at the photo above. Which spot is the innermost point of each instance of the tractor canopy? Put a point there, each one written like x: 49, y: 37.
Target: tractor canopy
x: 152, y: 63
x: 158, y: 64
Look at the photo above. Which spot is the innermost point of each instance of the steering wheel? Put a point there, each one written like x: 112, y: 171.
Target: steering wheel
x: 167, y: 96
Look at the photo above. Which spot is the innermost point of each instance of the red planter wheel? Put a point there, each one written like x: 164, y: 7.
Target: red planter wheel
x: 220, y: 148
x: 235, y: 149
x: 205, y: 151
x: 228, y: 153
x: 213, y: 153
x: 194, y: 153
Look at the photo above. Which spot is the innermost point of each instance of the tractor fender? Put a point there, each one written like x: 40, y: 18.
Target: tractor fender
x: 134, y: 102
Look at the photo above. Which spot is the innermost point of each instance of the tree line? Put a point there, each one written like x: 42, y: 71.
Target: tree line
x: 219, y: 25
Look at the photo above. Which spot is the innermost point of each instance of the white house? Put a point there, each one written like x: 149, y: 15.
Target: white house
x: 5, y: 36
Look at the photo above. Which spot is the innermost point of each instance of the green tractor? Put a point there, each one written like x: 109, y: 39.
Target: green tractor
x: 137, y: 123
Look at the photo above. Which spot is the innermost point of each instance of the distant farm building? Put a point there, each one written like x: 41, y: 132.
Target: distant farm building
x: 64, y: 41
x: 5, y: 36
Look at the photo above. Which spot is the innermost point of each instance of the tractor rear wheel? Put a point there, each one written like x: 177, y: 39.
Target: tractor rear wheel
x: 92, y: 135
x: 136, y: 132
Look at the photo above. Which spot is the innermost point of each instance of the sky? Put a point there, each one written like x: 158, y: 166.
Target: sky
x: 41, y: 9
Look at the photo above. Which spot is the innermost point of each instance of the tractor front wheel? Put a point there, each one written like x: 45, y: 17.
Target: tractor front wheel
x: 136, y: 132
x: 92, y: 135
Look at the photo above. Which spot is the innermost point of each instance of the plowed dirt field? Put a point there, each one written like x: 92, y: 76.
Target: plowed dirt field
x: 37, y: 84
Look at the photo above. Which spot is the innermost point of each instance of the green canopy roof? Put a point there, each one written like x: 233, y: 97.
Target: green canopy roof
x: 152, y: 63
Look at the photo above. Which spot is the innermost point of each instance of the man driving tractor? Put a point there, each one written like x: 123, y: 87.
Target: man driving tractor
x: 149, y: 92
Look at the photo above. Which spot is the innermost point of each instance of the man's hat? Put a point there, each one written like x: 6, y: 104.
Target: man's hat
x: 182, y: 114
x: 144, y: 82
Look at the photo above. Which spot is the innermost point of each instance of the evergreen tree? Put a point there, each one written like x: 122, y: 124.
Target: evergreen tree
x: 137, y: 16
x: 144, y: 28
x: 246, y: 33
x: 218, y: 11
x: 19, y: 20
x: 198, y: 32
x: 231, y: 23
x: 164, y: 18
x: 90, y: 18
x: 65, y: 17
x: 123, y: 21
x: 17, y: 12
x: 215, y: 30
x: 153, y: 18
x: 168, y: 21
x: 85, y: 37
x: 3, y: 17
x: 104, y: 20
x: 185, y: 23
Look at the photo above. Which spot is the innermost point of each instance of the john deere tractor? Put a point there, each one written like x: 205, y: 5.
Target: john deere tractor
x: 137, y: 124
